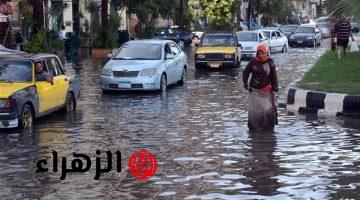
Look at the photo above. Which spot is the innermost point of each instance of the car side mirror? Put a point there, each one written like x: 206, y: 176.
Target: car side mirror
x: 239, y: 45
x: 109, y: 56
x: 169, y: 56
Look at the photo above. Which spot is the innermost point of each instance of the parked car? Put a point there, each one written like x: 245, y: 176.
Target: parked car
x: 324, y: 30
x: 218, y: 50
x: 180, y: 37
x: 250, y: 40
x: 197, y: 34
x: 288, y: 29
x: 23, y: 99
x: 278, y: 41
x: 355, y: 27
x: 306, y: 35
x: 144, y: 65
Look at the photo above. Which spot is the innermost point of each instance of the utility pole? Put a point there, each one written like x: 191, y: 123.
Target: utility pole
x: 248, y: 17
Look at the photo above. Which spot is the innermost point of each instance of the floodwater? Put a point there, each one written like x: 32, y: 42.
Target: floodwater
x: 199, y: 135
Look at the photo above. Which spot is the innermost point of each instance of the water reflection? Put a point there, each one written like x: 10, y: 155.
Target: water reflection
x: 263, y: 165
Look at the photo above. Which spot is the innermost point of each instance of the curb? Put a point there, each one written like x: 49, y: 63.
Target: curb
x: 321, y: 103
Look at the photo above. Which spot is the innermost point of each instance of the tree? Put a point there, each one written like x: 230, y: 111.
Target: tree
x: 219, y: 12
x: 38, y: 15
x: 104, y: 12
x: 340, y: 9
x: 147, y: 11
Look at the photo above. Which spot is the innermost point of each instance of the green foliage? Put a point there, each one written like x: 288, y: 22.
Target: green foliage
x: 55, y: 11
x: 37, y: 44
x: 219, y: 13
x: 147, y: 11
x: 27, y: 20
x: 111, y: 30
x: 333, y: 75
x: 91, y: 6
x: 56, y: 46
x: 340, y: 9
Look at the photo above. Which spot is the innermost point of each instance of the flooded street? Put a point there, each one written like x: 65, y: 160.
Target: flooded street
x: 199, y: 135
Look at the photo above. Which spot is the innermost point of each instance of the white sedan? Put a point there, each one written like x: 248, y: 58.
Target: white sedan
x: 278, y: 41
x: 250, y: 40
x: 144, y: 65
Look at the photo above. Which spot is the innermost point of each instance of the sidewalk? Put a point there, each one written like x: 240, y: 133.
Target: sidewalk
x: 331, y: 87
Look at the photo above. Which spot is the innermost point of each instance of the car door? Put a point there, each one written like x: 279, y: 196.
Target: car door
x: 170, y: 64
x: 60, y: 80
x: 282, y: 40
x: 178, y: 60
x: 274, y: 42
x: 47, y: 93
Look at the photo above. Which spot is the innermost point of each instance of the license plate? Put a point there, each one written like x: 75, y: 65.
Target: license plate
x: 124, y: 84
x: 300, y: 41
x: 214, y: 64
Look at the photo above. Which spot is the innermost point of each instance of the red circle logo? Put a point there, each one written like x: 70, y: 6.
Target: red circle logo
x: 142, y: 164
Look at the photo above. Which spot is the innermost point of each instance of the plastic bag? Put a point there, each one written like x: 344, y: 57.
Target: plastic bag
x: 354, y: 47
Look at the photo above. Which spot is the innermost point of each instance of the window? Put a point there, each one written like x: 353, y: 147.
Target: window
x: 174, y: 32
x: 278, y: 34
x: 51, y: 67
x: 260, y: 36
x: 273, y: 35
x: 167, y: 49
x: 174, y: 48
x: 55, y: 62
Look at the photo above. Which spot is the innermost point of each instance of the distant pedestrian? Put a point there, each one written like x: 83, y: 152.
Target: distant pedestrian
x: 62, y: 34
x: 263, y: 85
x: 342, y: 31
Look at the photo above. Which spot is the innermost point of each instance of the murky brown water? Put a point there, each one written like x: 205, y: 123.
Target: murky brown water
x: 199, y: 135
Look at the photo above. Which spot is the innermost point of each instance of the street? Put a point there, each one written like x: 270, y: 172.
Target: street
x: 199, y: 135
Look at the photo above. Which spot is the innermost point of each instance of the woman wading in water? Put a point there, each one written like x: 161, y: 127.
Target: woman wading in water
x: 262, y: 88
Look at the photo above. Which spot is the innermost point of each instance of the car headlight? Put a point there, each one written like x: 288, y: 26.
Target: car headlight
x: 310, y: 38
x: 292, y: 37
x: 5, y: 103
x: 148, y: 72
x: 200, y: 56
x: 106, y: 72
x: 229, y: 56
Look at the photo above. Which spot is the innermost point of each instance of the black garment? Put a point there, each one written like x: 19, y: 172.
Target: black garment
x: 342, y: 30
x: 343, y: 43
x: 263, y: 74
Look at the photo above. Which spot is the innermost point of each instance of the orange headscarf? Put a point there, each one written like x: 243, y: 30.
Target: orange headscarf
x: 262, y: 48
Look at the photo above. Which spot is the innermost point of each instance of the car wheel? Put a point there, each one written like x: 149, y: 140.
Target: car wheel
x: 183, y: 77
x: 70, y: 104
x: 284, y: 49
x: 181, y: 44
x: 26, y: 118
x: 163, y: 83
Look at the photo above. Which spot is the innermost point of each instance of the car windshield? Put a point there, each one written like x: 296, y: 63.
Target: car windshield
x: 139, y: 51
x: 305, y: 30
x: 16, y: 71
x: 267, y: 33
x: 288, y: 28
x: 247, y: 36
x: 218, y: 40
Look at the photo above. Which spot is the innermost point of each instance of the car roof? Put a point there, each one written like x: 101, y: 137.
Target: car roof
x: 10, y: 54
x: 308, y: 25
x: 257, y: 31
x: 148, y: 41
x: 294, y: 25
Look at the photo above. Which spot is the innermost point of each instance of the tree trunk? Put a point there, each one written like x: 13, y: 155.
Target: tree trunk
x: 38, y: 15
x: 248, y: 17
x: 181, y: 14
x: 104, y: 12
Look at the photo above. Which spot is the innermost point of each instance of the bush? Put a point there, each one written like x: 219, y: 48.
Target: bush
x: 37, y: 44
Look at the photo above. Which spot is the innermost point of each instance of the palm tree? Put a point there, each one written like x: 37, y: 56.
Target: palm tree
x: 340, y: 9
